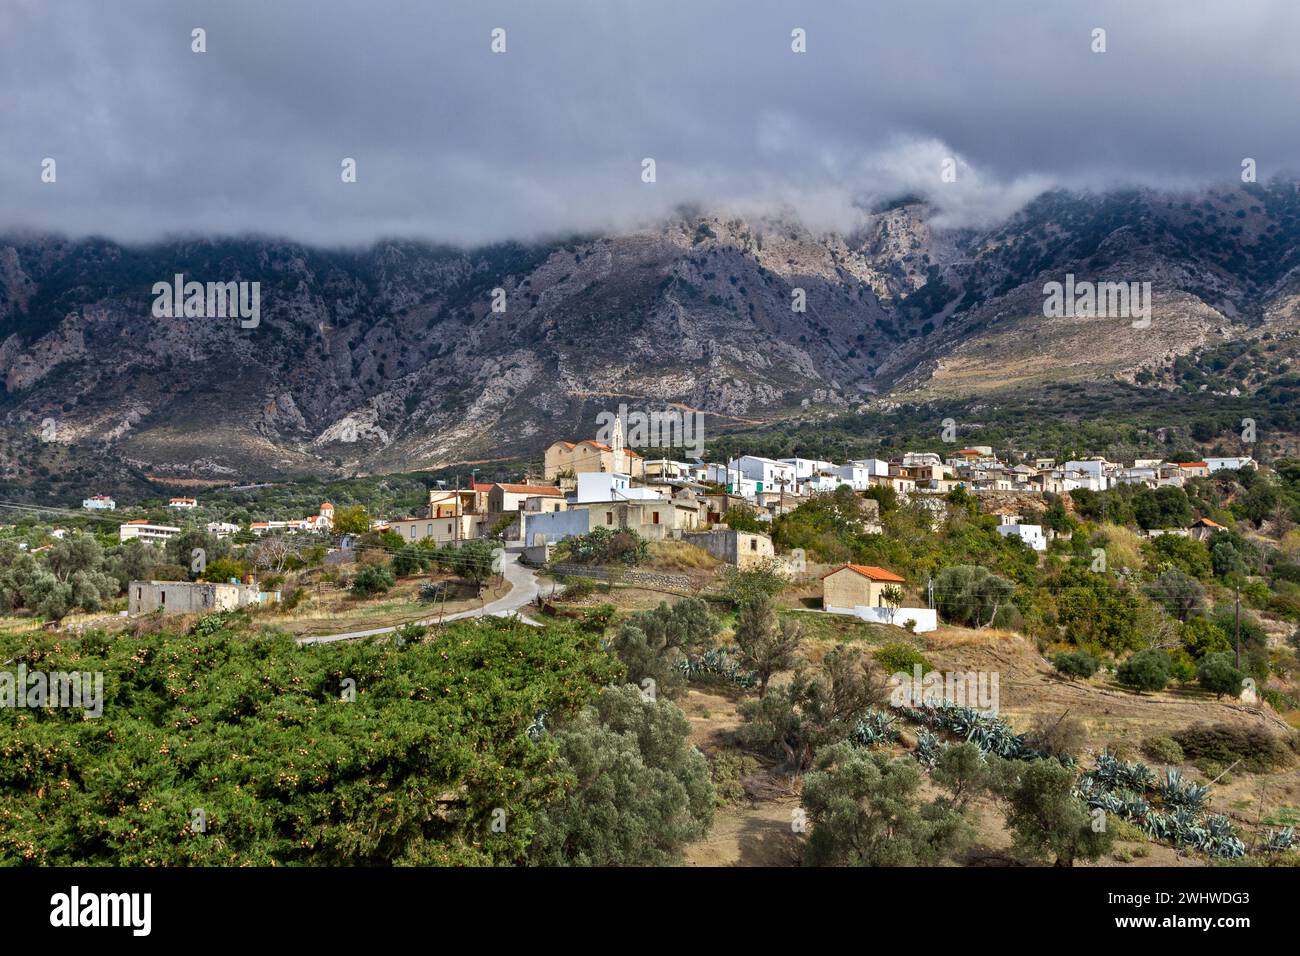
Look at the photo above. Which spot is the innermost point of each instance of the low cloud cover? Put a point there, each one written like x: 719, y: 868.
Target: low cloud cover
x: 455, y: 143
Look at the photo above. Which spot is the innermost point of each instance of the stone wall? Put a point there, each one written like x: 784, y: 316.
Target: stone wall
x: 649, y: 579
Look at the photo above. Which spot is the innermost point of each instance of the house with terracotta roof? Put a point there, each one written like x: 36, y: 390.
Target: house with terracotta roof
x: 857, y: 585
x: 1194, y: 469
x: 183, y: 503
x: 1202, y: 528
x: 509, y: 497
x: 576, y: 458
x: 860, y: 590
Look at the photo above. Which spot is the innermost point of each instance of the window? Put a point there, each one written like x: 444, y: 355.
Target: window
x: 162, y: 598
x: 656, y: 518
x: 428, y: 530
x: 753, y: 544
x: 609, y: 517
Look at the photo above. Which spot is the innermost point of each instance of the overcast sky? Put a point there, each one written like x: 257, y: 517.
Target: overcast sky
x: 456, y: 143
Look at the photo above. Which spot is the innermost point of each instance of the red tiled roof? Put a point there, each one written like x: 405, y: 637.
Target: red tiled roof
x: 532, y: 490
x: 1207, y: 523
x: 599, y: 445
x: 1192, y: 464
x: 869, y: 571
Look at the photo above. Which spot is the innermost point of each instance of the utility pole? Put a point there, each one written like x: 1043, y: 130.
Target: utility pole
x: 1237, y: 625
x: 929, y: 590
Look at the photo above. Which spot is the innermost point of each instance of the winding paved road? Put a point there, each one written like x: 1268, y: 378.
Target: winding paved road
x: 524, y: 586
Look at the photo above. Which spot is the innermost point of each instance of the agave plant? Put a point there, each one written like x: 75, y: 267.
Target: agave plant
x: 927, y: 748
x: 1119, y: 787
x: 989, y: 733
x: 715, y: 662
x: 1175, y: 792
x: 1279, y: 840
x: 1223, y: 841
x: 874, y: 727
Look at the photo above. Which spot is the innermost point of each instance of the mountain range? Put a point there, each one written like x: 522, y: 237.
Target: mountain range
x: 392, y: 357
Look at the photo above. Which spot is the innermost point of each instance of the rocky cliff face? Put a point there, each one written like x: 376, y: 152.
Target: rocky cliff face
x: 393, y: 358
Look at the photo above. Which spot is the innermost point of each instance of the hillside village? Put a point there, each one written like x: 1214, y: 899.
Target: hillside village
x: 1090, y: 613
x: 726, y: 509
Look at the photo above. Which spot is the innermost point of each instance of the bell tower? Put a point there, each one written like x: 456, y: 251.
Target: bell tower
x: 616, y: 443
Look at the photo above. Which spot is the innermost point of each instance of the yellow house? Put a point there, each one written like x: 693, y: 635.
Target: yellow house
x: 857, y: 585
x: 588, y: 456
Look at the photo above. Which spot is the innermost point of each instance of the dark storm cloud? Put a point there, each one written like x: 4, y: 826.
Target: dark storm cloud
x: 456, y: 143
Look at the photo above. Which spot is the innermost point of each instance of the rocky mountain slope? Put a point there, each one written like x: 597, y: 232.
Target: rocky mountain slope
x: 392, y: 358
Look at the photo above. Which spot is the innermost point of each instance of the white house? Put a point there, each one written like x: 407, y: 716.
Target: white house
x: 140, y: 528
x: 807, y: 467
x: 921, y: 459
x: 222, y: 529
x: 1030, y: 534
x: 873, y: 466
x: 183, y: 503
x: 1091, y: 466
x: 667, y: 468
x: 821, y: 484
x: 1134, y: 476
x: 1229, y: 464
x: 733, y: 479
x: 99, y: 503
x: 858, y: 475
x: 768, y: 473
x: 611, y: 486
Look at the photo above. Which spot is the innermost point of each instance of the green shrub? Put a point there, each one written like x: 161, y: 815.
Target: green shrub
x: 1163, y: 749
x: 609, y: 546
x: 901, y: 658
x: 743, y: 519
x: 1225, y: 744
x: 1145, y: 670
x: 728, y: 769
x: 410, y: 633
x: 372, y: 579
x: 599, y: 618
x: 1182, y: 666
x: 1217, y: 674
x: 1202, y: 636
x: 1076, y: 664
x: 576, y: 588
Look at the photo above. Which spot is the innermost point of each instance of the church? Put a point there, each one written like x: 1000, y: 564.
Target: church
x: 569, y: 459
